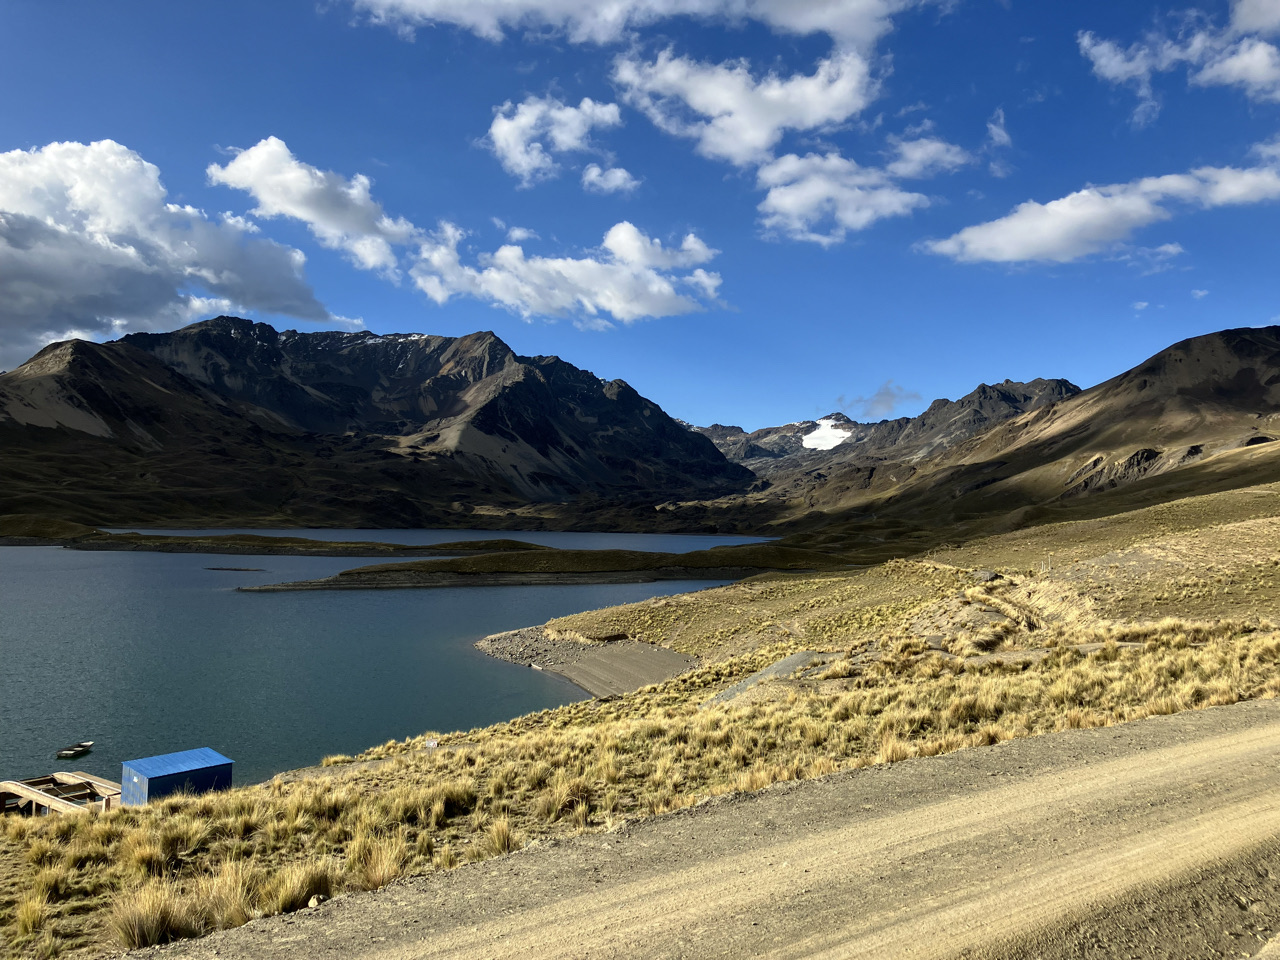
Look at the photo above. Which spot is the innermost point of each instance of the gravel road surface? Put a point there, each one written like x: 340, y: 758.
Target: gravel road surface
x: 1159, y: 838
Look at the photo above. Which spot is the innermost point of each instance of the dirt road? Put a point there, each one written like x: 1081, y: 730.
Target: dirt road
x: 1154, y: 839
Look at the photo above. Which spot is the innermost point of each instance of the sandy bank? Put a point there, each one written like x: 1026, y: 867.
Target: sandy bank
x: 603, y: 670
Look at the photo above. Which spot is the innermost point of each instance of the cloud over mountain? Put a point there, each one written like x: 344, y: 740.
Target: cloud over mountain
x: 340, y: 213
x: 90, y: 245
x: 630, y: 280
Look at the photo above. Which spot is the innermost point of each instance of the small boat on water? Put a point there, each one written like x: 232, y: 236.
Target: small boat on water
x: 75, y: 750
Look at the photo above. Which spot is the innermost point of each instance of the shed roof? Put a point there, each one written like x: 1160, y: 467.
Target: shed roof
x: 181, y: 762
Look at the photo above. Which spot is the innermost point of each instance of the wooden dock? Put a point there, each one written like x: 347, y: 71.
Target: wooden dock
x: 58, y: 793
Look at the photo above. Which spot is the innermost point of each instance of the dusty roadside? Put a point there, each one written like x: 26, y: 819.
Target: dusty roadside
x: 1155, y: 838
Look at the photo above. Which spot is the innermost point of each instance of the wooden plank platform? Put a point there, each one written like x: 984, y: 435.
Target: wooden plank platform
x: 60, y: 792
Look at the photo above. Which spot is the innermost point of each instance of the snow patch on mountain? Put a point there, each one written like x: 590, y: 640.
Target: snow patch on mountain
x: 830, y: 434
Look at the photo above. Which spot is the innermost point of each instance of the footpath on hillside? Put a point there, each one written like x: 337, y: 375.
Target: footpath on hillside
x: 1159, y: 838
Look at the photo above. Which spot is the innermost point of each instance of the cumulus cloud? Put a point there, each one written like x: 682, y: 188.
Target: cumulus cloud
x: 926, y: 157
x: 1251, y: 64
x: 1095, y: 219
x: 1234, y: 56
x: 820, y: 198
x: 628, y: 244
x: 340, y: 213
x: 630, y: 278
x: 1199, y: 294
x: 850, y: 23
x: 1140, y: 305
x: 733, y: 116
x: 1256, y: 16
x: 91, y: 246
x: 613, y: 180
x: 525, y: 137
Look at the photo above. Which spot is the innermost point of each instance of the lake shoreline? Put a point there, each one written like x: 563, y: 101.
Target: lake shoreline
x: 262, y: 547
x: 426, y: 581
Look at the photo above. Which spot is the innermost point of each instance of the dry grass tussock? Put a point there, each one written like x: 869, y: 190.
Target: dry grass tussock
x: 189, y: 865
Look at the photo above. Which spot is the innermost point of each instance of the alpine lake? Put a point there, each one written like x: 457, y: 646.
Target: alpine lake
x: 151, y: 653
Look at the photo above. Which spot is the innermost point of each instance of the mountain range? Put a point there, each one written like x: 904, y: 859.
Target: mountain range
x: 944, y: 424
x: 233, y: 422
x: 230, y: 418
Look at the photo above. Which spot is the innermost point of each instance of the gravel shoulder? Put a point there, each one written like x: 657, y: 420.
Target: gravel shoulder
x: 1159, y: 838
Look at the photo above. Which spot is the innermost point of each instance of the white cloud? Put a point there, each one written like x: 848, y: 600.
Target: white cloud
x: 926, y: 157
x: 851, y: 23
x: 340, y: 213
x: 1199, y: 294
x: 1233, y: 56
x: 1255, y: 16
x: 1140, y: 305
x: 630, y: 245
x: 1251, y: 64
x: 525, y: 137
x: 629, y: 279
x: 613, y: 180
x: 996, y: 132
x: 732, y: 115
x: 1268, y: 152
x: 816, y: 191
x: 1082, y: 223
x: 1095, y: 219
x: 89, y: 244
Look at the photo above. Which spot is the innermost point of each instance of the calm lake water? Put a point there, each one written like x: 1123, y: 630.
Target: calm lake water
x: 148, y: 653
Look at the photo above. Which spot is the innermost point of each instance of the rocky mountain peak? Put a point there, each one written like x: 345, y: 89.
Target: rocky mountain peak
x: 425, y: 413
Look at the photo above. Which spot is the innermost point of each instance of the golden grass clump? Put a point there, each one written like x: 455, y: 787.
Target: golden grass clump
x: 157, y: 913
x: 374, y: 861
x: 31, y: 913
x: 293, y: 887
x: 52, y: 883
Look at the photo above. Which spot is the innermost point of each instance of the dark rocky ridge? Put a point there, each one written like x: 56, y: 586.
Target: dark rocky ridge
x: 773, y: 450
x: 388, y: 430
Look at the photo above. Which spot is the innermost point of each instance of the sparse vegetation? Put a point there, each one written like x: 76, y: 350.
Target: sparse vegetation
x: 922, y: 659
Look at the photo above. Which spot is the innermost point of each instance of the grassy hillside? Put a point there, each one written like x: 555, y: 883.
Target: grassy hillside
x: 1081, y: 623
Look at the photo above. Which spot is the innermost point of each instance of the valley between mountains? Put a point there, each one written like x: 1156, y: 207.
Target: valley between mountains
x: 1000, y: 683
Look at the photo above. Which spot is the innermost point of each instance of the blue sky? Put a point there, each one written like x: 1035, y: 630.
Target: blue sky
x: 754, y: 211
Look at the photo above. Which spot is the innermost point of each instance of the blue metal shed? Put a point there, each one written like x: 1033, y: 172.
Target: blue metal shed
x: 198, y: 771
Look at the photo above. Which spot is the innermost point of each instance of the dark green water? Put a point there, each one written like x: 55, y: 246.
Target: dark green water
x: 149, y: 653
